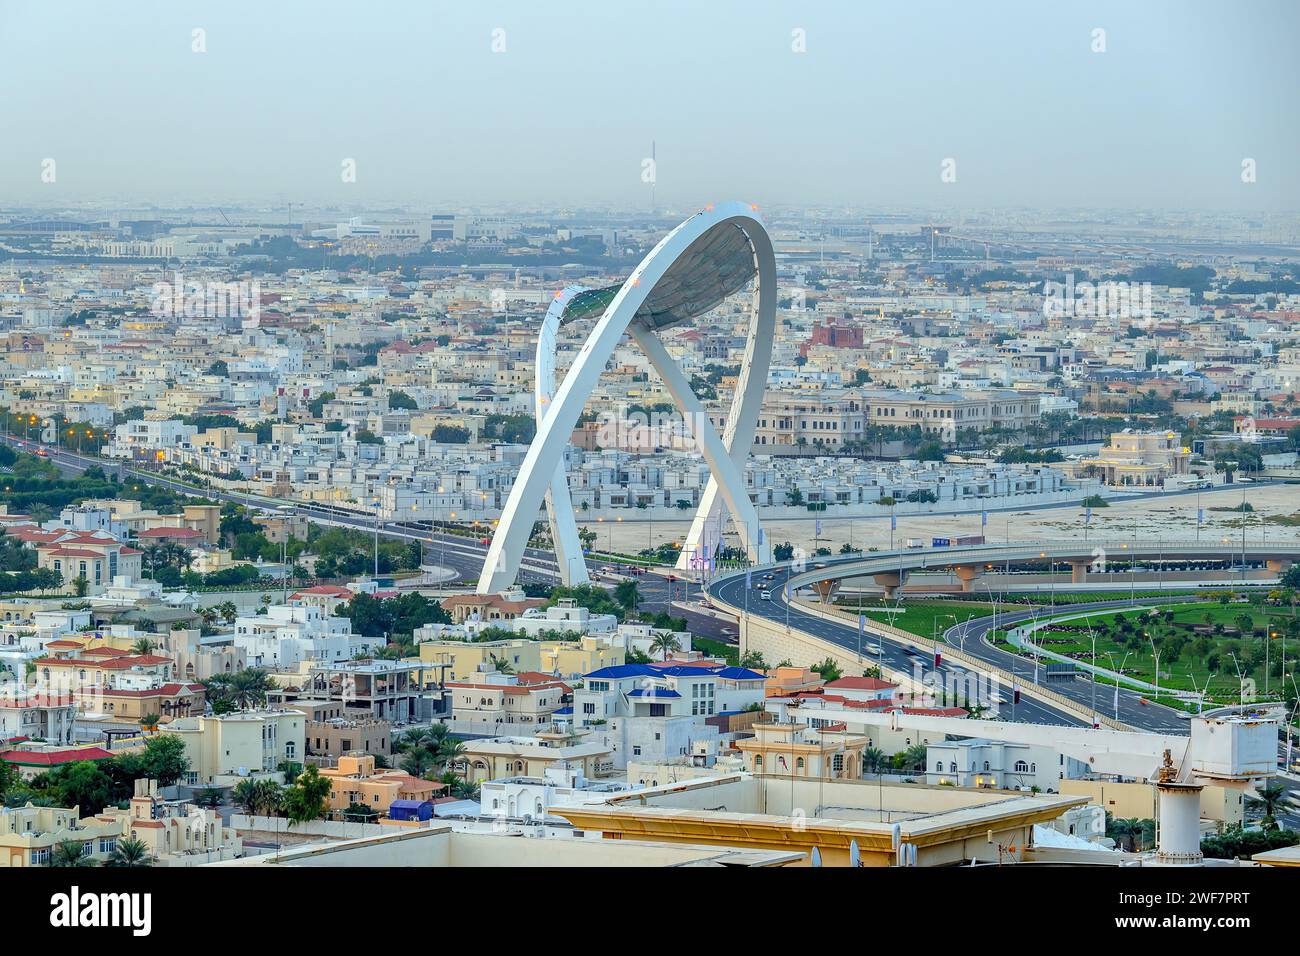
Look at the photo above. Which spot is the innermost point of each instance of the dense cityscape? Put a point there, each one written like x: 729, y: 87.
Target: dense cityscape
x: 668, y: 528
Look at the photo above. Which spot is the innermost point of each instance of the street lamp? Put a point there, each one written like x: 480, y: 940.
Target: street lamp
x: 1155, y: 654
x: 1241, y: 682
x: 1119, y: 673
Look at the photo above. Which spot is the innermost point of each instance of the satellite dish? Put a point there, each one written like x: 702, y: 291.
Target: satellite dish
x: 855, y: 855
x: 816, y: 857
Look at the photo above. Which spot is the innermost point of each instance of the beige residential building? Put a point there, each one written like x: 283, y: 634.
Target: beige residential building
x: 174, y: 832
x: 28, y: 835
x: 797, y: 750
x: 464, y: 660
x: 1137, y: 458
x: 222, y: 750
x: 790, y: 422
x: 948, y: 414
x: 496, y: 757
x: 496, y: 698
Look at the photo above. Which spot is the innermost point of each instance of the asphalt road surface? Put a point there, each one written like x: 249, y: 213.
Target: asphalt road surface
x: 895, y: 657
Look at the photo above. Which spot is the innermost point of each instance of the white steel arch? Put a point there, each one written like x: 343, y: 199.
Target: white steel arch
x: 559, y: 504
x: 691, y: 270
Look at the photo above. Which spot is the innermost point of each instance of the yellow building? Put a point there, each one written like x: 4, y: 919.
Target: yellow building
x: 1138, y: 800
x: 889, y: 824
x: 463, y: 660
x: 1137, y: 458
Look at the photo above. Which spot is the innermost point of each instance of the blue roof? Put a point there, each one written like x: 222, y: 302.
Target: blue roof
x: 623, y: 671
x: 407, y: 804
x: 619, y: 671
x: 564, y: 710
x: 652, y: 692
x: 740, y: 673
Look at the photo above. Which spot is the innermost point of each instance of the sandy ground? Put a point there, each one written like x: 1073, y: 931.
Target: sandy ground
x: 1171, y: 519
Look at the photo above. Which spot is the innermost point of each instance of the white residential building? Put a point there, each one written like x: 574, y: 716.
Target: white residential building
x: 286, y: 636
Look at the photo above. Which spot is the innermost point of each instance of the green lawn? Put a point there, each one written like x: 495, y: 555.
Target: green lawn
x: 922, y: 618
x: 1196, y: 641
x: 728, y: 652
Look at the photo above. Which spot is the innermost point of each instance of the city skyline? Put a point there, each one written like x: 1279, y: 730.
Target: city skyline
x: 649, y: 435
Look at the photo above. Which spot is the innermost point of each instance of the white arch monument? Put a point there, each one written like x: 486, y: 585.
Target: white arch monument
x: 692, y: 270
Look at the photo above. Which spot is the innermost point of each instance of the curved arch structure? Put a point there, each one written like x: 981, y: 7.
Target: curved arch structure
x: 691, y: 270
x: 559, y: 505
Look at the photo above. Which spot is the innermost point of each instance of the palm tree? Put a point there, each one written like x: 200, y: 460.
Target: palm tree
x: 308, y: 798
x: 415, y: 739
x: 417, y: 762
x: 71, y: 853
x: 143, y: 646
x: 1125, y: 831
x: 250, y: 686
x: 913, y: 758
x: 463, y: 789
x: 208, y: 797
x: 130, y: 852
x: 1272, y: 797
x: 665, y: 642
x: 258, y: 797
x: 874, y: 760
x: 449, y: 752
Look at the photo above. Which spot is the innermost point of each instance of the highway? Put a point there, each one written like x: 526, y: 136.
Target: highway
x: 894, y: 657
x: 971, y: 637
x: 462, y: 554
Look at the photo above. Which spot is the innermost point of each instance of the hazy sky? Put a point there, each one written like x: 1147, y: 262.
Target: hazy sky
x: 885, y: 91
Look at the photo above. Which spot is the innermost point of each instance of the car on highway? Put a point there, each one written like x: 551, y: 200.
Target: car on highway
x: 765, y: 595
x: 873, y: 649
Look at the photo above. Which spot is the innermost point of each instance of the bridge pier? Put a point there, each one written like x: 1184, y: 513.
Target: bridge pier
x: 890, y: 582
x: 968, y: 574
x: 1079, y: 570
x: 827, y: 589
x: 1278, y: 565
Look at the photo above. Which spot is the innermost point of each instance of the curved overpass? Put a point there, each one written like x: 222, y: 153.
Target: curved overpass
x: 889, y: 570
x: 900, y: 653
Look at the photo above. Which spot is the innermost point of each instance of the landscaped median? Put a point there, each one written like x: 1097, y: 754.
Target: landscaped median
x: 975, y: 664
x: 1214, y: 643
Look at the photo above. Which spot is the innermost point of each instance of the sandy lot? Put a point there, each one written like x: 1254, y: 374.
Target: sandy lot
x: 1171, y: 519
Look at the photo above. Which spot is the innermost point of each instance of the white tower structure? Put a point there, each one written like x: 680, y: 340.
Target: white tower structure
x: 693, y: 269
